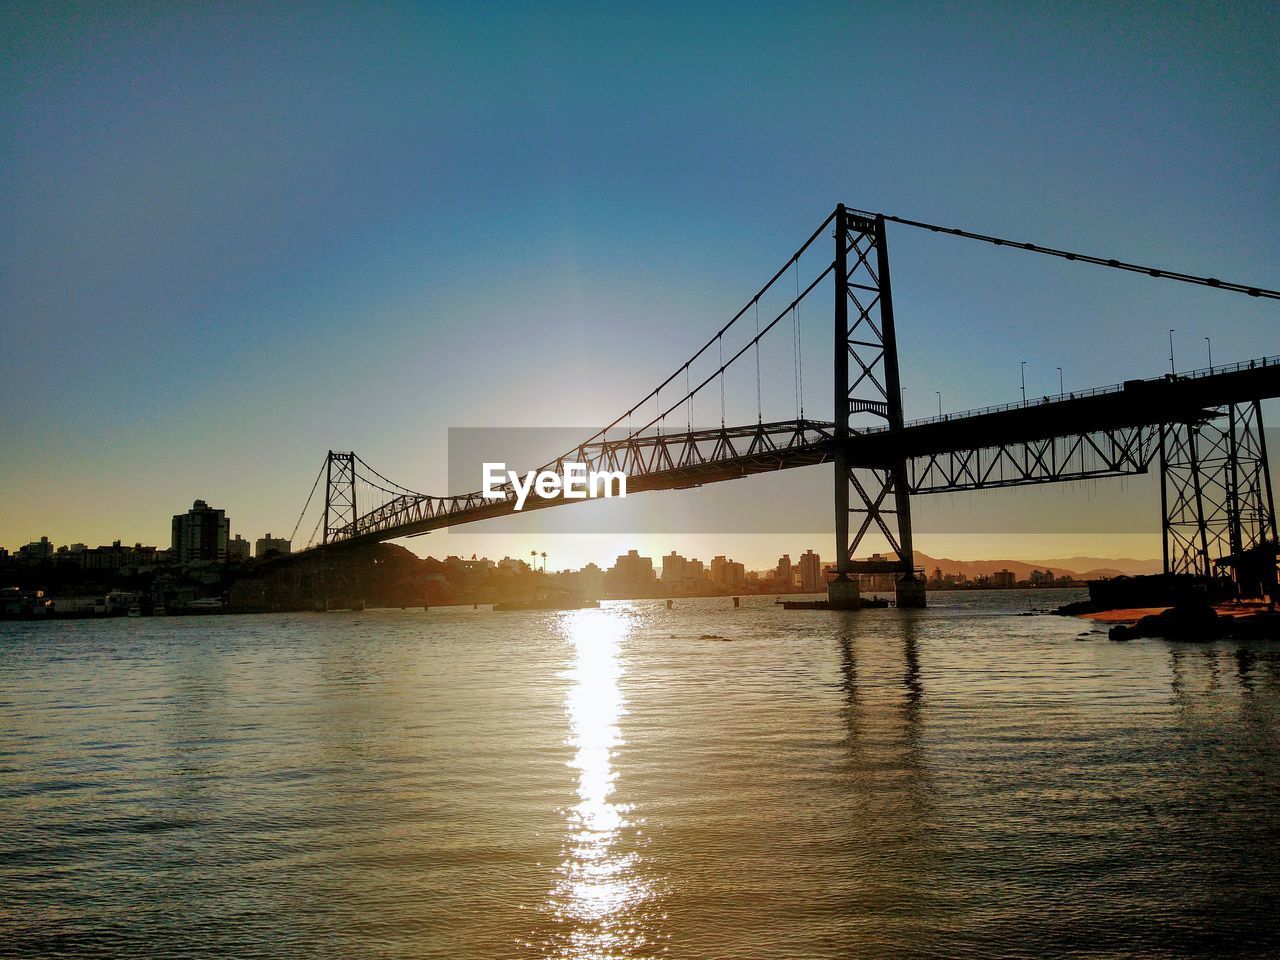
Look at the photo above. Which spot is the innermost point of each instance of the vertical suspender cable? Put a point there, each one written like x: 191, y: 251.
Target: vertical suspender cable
x: 690, y: 395
x: 799, y: 341
x: 720, y: 346
x: 759, y: 406
x: 795, y: 362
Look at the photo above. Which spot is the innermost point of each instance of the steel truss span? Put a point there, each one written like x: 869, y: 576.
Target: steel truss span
x: 651, y: 462
x: 1088, y: 456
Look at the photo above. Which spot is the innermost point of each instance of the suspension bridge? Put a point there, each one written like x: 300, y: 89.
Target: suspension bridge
x: 1202, y: 429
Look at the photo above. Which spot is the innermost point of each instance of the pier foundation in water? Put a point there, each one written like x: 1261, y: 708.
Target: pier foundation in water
x: 843, y: 593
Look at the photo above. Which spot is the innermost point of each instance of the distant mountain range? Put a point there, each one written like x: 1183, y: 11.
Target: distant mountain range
x: 1081, y: 568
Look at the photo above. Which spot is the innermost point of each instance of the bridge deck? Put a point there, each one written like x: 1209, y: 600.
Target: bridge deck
x: 1137, y: 403
x: 688, y: 459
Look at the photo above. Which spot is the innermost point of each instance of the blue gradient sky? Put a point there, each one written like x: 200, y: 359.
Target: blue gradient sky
x: 233, y: 236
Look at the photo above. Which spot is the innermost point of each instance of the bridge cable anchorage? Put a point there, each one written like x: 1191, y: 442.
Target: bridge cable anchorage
x: 315, y: 486
x: 1157, y: 272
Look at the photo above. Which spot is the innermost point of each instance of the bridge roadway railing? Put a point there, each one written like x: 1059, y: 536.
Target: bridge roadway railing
x: 1260, y: 362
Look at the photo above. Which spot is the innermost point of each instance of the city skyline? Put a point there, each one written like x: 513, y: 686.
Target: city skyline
x: 45, y: 548
x: 575, y: 550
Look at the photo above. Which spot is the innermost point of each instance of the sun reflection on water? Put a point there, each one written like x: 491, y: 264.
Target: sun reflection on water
x: 600, y: 889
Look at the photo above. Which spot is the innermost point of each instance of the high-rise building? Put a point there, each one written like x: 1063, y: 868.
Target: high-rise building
x: 36, y: 551
x: 784, y: 572
x: 811, y: 578
x: 238, y: 549
x: 727, y: 573
x: 589, y: 581
x: 674, y: 568
x: 633, y: 569
x: 271, y: 545
x: 200, y: 534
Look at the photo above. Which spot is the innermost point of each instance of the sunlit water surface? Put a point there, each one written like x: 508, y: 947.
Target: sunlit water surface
x: 636, y: 782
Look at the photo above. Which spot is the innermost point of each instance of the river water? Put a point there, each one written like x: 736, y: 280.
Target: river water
x: 636, y: 782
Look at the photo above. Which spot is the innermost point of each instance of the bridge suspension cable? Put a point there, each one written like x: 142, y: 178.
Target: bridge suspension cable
x: 1157, y: 272
x: 764, y: 331
x: 716, y: 337
x: 314, y: 487
x: 315, y: 530
x: 396, y: 489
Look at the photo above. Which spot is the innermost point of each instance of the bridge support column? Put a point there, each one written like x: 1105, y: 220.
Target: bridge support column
x: 870, y: 389
x: 1216, y: 498
x: 909, y: 592
x: 844, y: 594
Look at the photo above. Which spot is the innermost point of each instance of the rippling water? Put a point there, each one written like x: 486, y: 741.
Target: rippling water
x: 636, y: 782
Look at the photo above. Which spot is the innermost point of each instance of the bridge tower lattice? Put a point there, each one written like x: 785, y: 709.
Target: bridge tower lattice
x: 339, y: 496
x: 1215, y: 495
x: 868, y: 391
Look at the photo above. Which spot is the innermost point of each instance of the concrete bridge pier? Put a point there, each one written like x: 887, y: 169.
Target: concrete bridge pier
x: 843, y: 593
x: 909, y: 592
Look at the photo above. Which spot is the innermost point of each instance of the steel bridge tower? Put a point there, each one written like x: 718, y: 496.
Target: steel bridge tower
x: 1216, y: 502
x: 339, y: 496
x: 867, y: 391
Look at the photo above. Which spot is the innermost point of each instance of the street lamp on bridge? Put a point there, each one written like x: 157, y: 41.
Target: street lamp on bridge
x: 1024, y: 382
x: 1061, y: 389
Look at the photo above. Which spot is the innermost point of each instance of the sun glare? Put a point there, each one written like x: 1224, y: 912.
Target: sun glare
x: 599, y: 885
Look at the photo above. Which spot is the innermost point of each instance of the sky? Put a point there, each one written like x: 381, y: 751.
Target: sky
x: 235, y: 236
